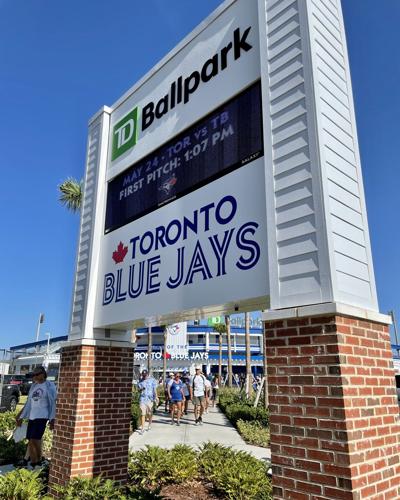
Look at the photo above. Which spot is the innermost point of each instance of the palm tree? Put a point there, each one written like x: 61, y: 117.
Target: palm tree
x: 249, y: 377
x: 71, y: 194
x: 228, y: 337
x: 219, y: 328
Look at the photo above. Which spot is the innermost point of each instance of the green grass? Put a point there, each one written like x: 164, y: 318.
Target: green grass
x: 22, y: 401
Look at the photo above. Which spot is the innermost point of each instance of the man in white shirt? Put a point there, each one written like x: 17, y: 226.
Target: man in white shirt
x: 197, y: 395
x: 40, y: 408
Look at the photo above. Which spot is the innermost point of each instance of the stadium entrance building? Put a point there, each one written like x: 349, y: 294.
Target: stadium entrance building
x: 228, y: 179
x: 202, y: 349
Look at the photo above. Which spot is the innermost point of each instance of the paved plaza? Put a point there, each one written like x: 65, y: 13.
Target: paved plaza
x: 216, y: 428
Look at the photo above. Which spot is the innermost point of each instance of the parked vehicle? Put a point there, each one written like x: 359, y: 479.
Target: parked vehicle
x: 24, y: 382
x: 9, y: 395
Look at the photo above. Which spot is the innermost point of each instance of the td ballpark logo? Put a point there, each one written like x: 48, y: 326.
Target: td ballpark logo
x: 125, y: 132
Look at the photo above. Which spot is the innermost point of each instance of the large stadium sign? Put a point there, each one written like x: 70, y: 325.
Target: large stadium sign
x: 227, y: 179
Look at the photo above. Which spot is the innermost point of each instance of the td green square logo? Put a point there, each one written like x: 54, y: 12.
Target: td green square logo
x: 125, y: 134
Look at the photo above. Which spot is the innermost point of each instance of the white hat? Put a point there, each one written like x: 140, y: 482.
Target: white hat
x: 198, y: 367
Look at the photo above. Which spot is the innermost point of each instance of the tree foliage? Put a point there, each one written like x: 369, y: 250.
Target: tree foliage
x: 71, y: 194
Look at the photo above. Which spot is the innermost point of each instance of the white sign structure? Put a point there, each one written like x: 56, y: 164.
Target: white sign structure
x: 177, y: 341
x: 227, y: 179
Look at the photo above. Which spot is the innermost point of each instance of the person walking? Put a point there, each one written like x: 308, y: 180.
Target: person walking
x: 197, y: 395
x: 176, y: 397
x: 186, y: 391
x: 207, y: 394
x: 148, y: 396
x: 215, y: 389
x: 168, y: 380
x: 39, y: 409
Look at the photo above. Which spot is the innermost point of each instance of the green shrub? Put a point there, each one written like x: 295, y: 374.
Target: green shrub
x: 148, y: 468
x: 151, y: 468
x: 7, y: 423
x: 21, y: 484
x: 212, y: 457
x: 135, y: 410
x: 47, y: 442
x: 182, y: 464
x: 235, y: 474
x: 236, y: 407
x: 91, y: 489
x: 254, y: 432
x: 11, y: 452
x: 243, y: 477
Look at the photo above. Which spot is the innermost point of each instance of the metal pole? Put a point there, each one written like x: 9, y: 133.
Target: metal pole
x: 264, y: 351
x: 165, y: 356
x: 228, y: 337
x: 149, y: 348
x: 394, y: 326
x: 249, y: 386
x: 220, y: 357
x: 40, y: 321
x: 48, y: 343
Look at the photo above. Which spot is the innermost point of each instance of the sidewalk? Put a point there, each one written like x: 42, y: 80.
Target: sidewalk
x: 6, y: 468
x: 216, y: 428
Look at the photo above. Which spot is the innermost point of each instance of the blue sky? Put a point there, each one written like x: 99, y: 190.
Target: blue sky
x: 61, y: 61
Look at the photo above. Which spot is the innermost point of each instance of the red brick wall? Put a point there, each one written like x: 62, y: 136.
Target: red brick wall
x: 93, y: 413
x: 335, y: 430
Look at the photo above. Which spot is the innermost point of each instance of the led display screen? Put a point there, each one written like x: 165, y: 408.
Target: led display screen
x: 224, y: 140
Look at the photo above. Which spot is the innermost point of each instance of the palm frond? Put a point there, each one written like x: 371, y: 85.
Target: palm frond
x: 71, y: 194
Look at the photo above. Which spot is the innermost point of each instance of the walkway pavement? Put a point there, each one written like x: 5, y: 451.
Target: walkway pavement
x: 6, y: 468
x: 216, y: 428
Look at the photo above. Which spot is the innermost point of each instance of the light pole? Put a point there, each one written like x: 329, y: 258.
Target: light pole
x: 40, y: 321
x: 48, y: 343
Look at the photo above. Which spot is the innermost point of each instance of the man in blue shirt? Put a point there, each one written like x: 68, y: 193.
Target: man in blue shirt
x: 148, y: 395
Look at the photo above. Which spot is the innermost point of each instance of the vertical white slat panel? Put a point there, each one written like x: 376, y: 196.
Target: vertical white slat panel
x: 343, y: 192
x: 297, y: 243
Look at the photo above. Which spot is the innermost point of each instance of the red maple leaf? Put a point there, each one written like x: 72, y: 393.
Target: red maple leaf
x: 120, y: 252
x: 167, y: 355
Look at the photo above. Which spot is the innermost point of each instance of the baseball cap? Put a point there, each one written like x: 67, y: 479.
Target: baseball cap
x: 198, y: 367
x: 144, y: 372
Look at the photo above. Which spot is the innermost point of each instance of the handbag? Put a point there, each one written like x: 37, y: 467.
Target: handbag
x: 19, y: 433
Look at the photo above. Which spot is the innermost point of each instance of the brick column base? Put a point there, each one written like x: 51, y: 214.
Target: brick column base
x: 93, y: 414
x: 334, y: 416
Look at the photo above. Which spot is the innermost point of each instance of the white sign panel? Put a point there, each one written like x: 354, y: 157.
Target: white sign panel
x: 177, y: 342
x: 218, y: 63
x: 185, y: 226
x: 220, y: 259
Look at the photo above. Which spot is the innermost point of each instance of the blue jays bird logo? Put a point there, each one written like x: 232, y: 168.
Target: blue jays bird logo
x: 167, y: 185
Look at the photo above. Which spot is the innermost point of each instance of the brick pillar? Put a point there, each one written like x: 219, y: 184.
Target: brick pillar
x: 334, y: 415
x: 93, y: 413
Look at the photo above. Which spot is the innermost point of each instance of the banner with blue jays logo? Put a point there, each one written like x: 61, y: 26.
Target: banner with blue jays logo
x: 177, y: 342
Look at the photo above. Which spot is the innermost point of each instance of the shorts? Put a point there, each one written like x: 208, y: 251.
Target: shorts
x: 187, y: 398
x: 146, y: 408
x: 36, y: 428
x: 198, y: 400
x: 176, y: 401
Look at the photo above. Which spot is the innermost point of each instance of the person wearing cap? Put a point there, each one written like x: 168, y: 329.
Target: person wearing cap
x: 39, y: 409
x: 197, y: 395
x: 148, y: 395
